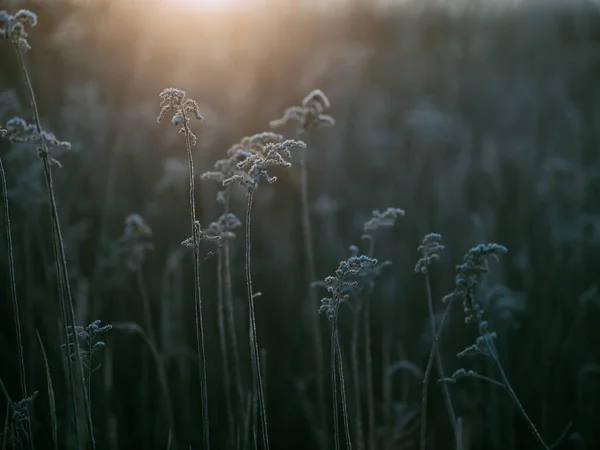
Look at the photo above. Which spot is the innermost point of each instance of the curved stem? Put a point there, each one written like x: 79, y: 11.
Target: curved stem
x: 435, y: 354
x: 13, y: 295
x: 61, y: 262
x: 343, y: 390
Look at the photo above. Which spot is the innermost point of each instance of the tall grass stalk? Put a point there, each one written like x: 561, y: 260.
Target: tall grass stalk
x: 61, y: 263
x: 358, y: 424
x: 223, y: 344
x: 309, y: 254
x: 161, y: 371
x: 227, y: 291
x: 51, y: 397
x: 13, y: 296
x: 435, y: 355
x: 259, y: 398
x: 198, y: 294
x: 493, y: 354
x: 343, y: 389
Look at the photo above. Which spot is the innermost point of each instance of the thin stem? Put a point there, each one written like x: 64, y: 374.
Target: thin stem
x: 231, y: 326
x: 356, y: 385
x: 13, y: 294
x: 254, y: 353
x: 223, y: 343
x: 162, y: 374
x: 369, y: 375
x: 197, y: 292
x: 494, y: 355
x: 59, y: 251
x: 314, y: 315
x: 343, y: 390
x: 435, y: 354
x: 336, y: 428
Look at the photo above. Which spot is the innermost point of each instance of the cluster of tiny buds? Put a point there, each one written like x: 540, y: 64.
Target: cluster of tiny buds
x: 474, y: 265
x: 199, y: 236
x: 174, y: 100
x: 223, y: 226
x: 430, y: 250
x: 339, y: 284
x: 384, y: 219
x: 136, y: 227
x: 18, y: 131
x: 257, y: 163
x: 308, y: 114
x: 13, y: 27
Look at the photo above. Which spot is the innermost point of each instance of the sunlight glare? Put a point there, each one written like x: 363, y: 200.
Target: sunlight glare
x: 203, y: 4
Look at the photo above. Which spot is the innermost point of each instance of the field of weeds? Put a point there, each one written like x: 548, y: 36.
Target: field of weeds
x: 280, y: 225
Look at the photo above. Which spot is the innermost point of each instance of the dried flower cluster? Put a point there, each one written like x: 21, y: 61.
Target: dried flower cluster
x: 258, y: 153
x: 174, y: 100
x: 224, y: 226
x: 308, y: 114
x: 134, y: 244
x: 384, y: 219
x: 474, y: 265
x: 430, y: 250
x: 88, y: 337
x: 341, y: 284
x: 18, y: 131
x: 12, y: 27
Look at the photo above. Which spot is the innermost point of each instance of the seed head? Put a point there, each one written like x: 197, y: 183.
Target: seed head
x: 430, y: 250
x: 308, y: 114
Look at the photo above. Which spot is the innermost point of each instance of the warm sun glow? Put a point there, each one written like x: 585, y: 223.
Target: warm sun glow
x: 213, y: 4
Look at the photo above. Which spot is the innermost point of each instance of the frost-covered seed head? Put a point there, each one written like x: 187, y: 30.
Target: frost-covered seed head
x: 430, y: 250
x: 384, y: 219
x: 308, y: 115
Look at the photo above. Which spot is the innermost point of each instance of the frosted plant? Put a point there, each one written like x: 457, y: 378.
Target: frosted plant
x: 430, y: 250
x: 384, y: 219
x: 308, y: 114
x: 91, y: 343
x: 13, y: 28
x: 468, y: 274
x: 258, y: 159
x: 258, y: 153
x: 341, y: 287
x: 134, y: 243
x: 18, y: 131
x: 378, y: 220
x: 13, y: 293
x: 175, y: 101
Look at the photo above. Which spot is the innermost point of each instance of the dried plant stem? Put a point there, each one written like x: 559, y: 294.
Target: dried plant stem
x: 13, y: 295
x: 336, y: 428
x: 343, y: 390
x: 314, y: 315
x: 223, y: 344
x: 51, y: 397
x: 231, y: 326
x: 144, y: 384
x: 358, y: 425
x: 61, y: 264
x: 254, y: 352
x: 369, y: 375
x: 197, y: 292
x: 435, y: 354
x: 493, y: 354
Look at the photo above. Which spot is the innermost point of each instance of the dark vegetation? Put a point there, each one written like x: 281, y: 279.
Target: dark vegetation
x: 480, y: 121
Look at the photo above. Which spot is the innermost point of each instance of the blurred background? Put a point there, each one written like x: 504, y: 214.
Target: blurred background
x: 479, y: 118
